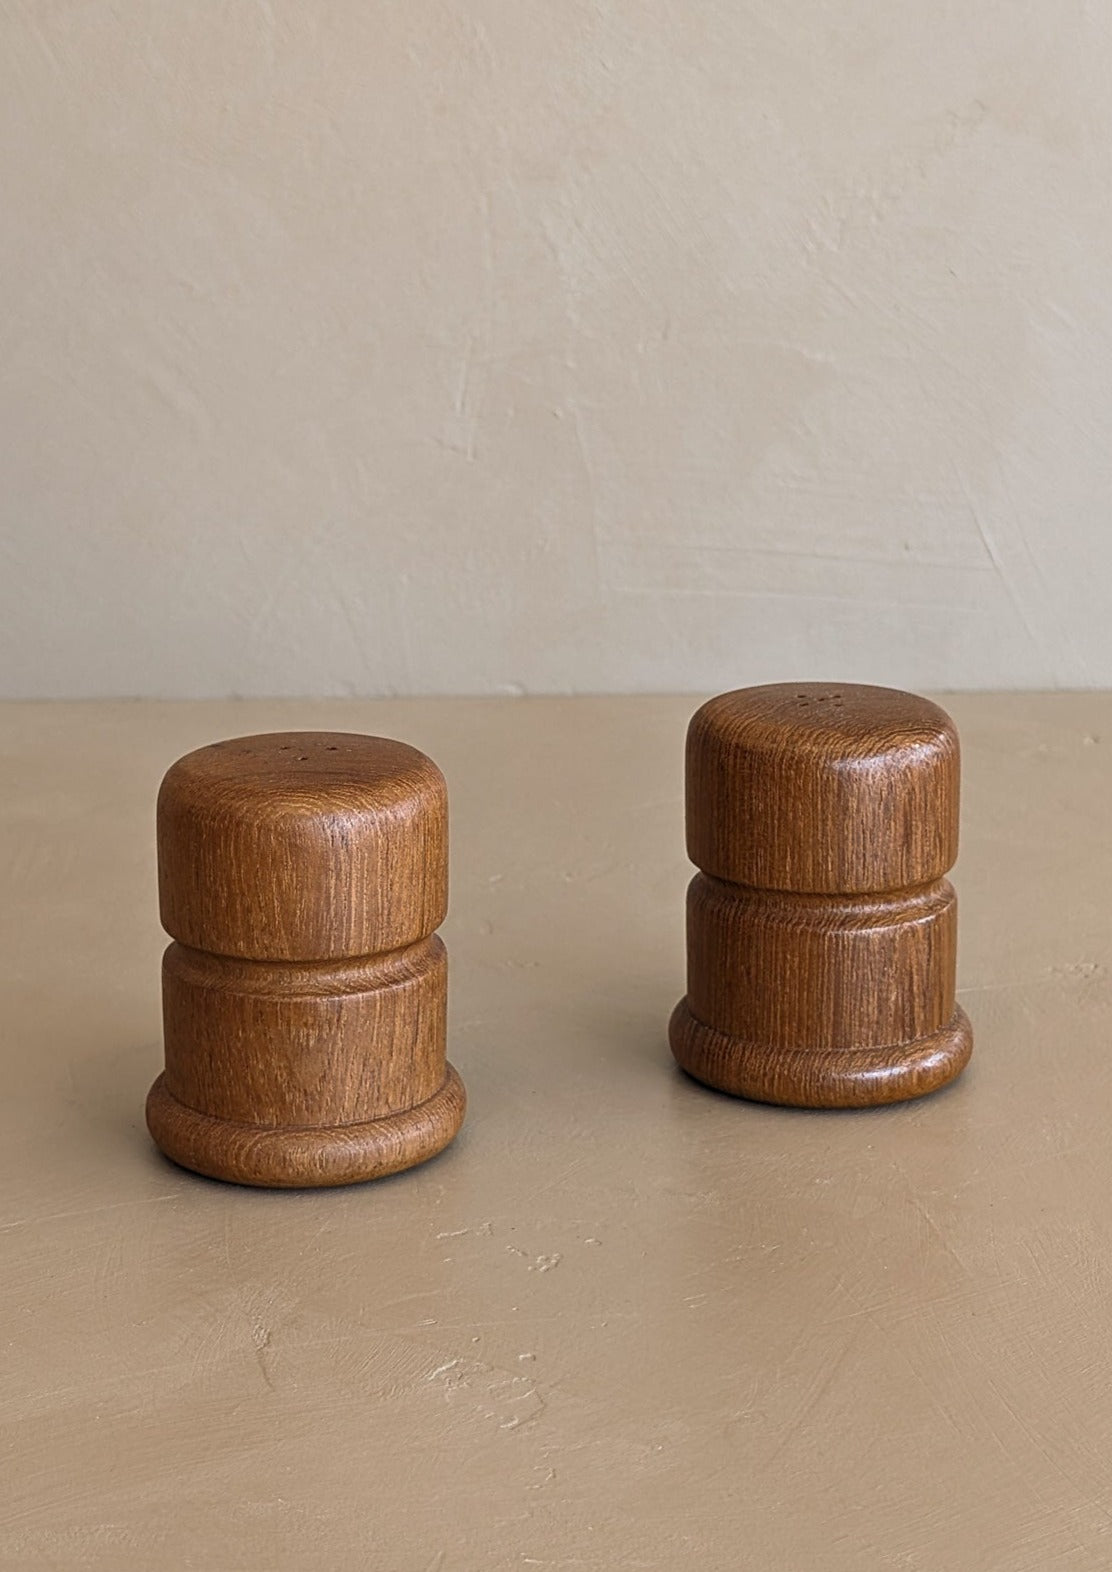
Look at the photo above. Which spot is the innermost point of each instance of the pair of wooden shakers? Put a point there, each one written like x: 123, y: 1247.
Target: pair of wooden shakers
x: 303, y: 876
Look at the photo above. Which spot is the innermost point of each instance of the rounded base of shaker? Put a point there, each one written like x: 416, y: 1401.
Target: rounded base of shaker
x: 820, y: 1077
x: 305, y: 1158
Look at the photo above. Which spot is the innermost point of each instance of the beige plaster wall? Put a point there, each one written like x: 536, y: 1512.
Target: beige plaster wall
x: 509, y: 345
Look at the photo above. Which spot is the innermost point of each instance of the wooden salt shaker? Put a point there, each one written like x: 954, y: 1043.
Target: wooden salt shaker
x: 302, y: 877
x: 822, y: 932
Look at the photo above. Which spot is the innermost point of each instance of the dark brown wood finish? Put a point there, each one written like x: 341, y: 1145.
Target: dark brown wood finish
x: 822, y: 932
x: 302, y: 876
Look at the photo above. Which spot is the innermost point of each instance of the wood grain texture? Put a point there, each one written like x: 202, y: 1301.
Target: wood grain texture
x: 822, y: 789
x: 302, y: 876
x: 305, y: 1159
x: 821, y: 931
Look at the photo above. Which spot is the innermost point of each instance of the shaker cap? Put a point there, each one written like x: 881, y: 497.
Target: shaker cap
x: 822, y: 788
x: 303, y: 845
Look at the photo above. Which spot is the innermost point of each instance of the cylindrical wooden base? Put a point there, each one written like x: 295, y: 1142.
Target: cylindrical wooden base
x: 820, y: 1077
x: 345, y: 1057
x: 802, y: 993
x: 306, y: 1158
x: 311, y: 1043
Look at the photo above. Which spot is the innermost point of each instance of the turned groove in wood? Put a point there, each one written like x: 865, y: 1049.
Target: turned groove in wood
x: 822, y: 933
x: 304, y: 979
x: 302, y: 876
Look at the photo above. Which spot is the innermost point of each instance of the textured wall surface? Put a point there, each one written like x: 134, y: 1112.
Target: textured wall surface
x: 507, y: 345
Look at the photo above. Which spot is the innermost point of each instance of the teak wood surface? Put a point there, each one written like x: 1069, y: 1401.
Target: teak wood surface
x: 302, y: 876
x: 821, y: 930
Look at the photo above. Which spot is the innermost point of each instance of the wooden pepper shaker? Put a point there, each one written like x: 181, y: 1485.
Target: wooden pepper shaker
x: 822, y: 931
x: 302, y: 877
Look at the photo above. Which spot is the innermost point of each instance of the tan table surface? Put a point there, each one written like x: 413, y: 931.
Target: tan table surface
x: 624, y: 1322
